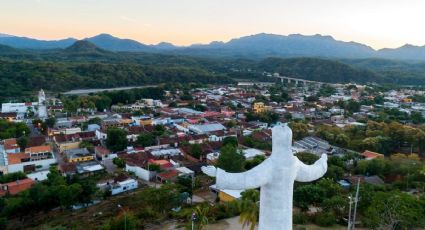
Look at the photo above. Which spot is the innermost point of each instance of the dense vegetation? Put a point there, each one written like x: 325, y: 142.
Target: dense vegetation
x: 12, y: 130
x: 381, y: 206
x: 381, y: 137
x: 84, y: 65
x: 56, y: 191
x: 20, y: 77
x: 318, y: 70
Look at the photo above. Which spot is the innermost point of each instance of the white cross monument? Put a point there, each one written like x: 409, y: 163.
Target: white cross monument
x: 275, y: 176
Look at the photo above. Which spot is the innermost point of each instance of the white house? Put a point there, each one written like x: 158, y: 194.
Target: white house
x: 124, y: 186
x: 140, y: 172
x: 206, y: 128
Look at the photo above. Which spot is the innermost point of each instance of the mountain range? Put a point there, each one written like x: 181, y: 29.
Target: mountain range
x: 256, y: 46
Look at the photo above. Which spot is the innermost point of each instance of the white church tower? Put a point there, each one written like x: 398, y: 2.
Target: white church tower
x: 42, y: 109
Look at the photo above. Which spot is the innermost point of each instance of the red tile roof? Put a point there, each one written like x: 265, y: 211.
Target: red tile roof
x: 87, y: 135
x: 371, y: 155
x: 68, y: 167
x: 168, y: 174
x: 38, y: 149
x: 136, y: 159
x: 8, y: 115
x: 10, y: 143
x: 164, y: 164
x: 16, y: 158
x: 59, y: 138
x: 36, y: 141
x: 15, y: 187
x: 101, y: 150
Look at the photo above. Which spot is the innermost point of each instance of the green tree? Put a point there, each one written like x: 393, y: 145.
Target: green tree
x: 145, y: 139
x: 10, y: 177
x: 22, y: 142
x: 196, y: 151
x: 417, y: 117
x: 54, y: 177
x: 50, y: 122
x: 395, y: 210
x: 326, y: 91
x: 249, y: 164
x: 120, y: 163
x: 95, y: 120
x: 325, y: 219
x: 124, y: 221
x: 299, y: 130
x: 230, y: 160
x: 308, y: 195
x: 116, y: 139
x: 162, y: 199
x: 249, y: 208
x: 158, y: 130
x: 336, y: 204
x: 230, y: 140
x: 12, y: 129
x: 307, y: 158
x: 86, y: 144
x: 202, y: 213
x: 352, y: 106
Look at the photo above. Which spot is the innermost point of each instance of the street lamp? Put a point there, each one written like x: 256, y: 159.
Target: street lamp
x: 356, y: 200
x: 125, y: 216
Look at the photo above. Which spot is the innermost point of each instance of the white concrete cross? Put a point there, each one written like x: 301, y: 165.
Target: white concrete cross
x: 275, y: 176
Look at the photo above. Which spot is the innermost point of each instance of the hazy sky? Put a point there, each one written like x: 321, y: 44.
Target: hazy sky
x: 378, y: 23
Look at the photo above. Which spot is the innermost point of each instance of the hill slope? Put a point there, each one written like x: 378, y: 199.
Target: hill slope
x: 319, y: 70
x: 257, y: 46
x: 109, y: 42
x: 264, y: 45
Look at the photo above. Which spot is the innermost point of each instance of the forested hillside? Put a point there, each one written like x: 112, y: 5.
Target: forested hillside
x: 84, y: 65
x: 21, y: 77
x: 318, y: 70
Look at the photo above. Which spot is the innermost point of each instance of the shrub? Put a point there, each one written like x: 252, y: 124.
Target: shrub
x: 325, y: 219
x: 300, y: 218
x: 120, y: 163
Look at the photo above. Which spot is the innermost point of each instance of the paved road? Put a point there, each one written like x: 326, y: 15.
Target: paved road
x: 34, y: 131
x: 87, y: 91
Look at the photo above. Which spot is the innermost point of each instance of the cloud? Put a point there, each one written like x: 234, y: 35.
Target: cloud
x: 128, y: 19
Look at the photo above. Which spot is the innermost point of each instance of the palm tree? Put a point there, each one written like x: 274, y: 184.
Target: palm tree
x: 249, y: 208
x: 201, y: 212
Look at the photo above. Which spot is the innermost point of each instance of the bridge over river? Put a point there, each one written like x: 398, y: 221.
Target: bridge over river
x: 297, y: 80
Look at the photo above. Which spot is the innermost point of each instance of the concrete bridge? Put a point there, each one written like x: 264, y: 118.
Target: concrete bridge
x: 296, y: 80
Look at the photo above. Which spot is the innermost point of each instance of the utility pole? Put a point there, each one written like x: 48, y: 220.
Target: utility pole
x: 356, y: 200
x: 349, y: 212
x: 193, y: 185
x: 194, y: 217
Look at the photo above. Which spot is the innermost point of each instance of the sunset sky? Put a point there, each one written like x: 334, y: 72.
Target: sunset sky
x: 378, y: 23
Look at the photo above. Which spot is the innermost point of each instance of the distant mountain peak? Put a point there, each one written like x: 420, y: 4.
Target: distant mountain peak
x: 408, y: 46
x: 260, y: 45
x: 5, y: 35
x: 102, y: 35
x: 83, y: 46
x: 164, y: 45
x: 109, y: 42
